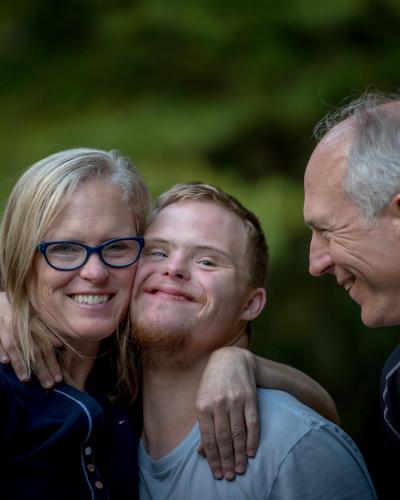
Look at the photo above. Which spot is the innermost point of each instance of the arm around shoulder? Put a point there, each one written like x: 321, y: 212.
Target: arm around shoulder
x: 274, y: 375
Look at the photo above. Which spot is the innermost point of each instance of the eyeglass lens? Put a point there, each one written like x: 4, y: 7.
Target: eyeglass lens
x: 67, y: 255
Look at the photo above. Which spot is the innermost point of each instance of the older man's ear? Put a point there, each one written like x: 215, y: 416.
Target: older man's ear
x: 394, y: 206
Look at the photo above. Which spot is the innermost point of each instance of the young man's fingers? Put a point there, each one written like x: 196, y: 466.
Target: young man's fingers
x: 10, y: 352
x: 53, y: 366
x: 42, y: 371
x: 4, y: 359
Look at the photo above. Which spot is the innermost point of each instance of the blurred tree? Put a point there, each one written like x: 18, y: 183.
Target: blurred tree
x: 226, y: 92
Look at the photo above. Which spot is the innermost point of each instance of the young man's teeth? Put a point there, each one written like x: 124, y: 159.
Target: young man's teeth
x: 91, y: 299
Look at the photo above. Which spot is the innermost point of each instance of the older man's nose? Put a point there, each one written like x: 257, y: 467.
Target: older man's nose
x: 320, y: 260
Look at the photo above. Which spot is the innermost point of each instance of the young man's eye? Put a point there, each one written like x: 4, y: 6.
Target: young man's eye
x: 155, y: 252
x: 207, y: 262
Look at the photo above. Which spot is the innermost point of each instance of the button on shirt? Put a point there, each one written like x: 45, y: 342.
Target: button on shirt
x: 63, y: 443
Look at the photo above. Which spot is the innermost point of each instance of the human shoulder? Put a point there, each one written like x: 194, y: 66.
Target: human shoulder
x: 310, y: 452
x: 31, y: 396
x: 9, y: 382
x: 390, y: 393
x: 281, y: 408
x: 390, y: 397
x: 285, y: 419
x: 392, y: 364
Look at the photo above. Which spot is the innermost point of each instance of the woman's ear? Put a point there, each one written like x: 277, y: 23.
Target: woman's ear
x: 255, y: 304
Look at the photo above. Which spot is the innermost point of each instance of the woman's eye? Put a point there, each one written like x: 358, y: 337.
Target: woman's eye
x: 63, y: 248
x: 116, y: 247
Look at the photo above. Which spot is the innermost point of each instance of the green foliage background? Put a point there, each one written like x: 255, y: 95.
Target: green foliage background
x: 226, y: 92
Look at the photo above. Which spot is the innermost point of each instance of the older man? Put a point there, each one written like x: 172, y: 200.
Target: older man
x: 199, y: 284
x: 352, y: 204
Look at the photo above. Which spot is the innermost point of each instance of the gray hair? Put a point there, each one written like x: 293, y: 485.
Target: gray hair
x: 373, y: 168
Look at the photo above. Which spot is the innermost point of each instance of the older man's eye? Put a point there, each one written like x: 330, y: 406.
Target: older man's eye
x: 326, y: 234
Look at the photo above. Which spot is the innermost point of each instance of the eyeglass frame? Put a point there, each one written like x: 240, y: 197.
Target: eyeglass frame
x: 43, y: 245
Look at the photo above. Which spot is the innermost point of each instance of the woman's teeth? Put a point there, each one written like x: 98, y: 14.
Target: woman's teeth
x: 91, y: 299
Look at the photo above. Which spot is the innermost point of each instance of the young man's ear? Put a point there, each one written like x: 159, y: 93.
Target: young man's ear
x: 255, y: 304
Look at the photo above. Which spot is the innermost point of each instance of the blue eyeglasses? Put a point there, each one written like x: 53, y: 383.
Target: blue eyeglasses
x: 70, y: 255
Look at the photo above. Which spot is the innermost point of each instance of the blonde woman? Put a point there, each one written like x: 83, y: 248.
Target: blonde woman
x: 69, y: 247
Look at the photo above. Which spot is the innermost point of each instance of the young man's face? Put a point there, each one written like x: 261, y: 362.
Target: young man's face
x: 192, y: 285
x: 363, y: 257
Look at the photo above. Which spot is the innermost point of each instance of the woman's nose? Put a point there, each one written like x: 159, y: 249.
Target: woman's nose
x: 94, y: 269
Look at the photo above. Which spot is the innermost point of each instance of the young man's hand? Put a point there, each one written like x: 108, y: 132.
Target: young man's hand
x: 45, y: 366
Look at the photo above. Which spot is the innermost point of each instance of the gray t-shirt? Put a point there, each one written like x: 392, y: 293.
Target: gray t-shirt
x: 301, y: 456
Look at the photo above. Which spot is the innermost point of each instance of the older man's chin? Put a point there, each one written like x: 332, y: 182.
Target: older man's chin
x: 375, y: 318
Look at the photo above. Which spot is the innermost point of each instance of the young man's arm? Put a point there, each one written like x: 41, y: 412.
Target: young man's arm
x: 226, y: 402
x: 48, y: 372
x: 46, y: 366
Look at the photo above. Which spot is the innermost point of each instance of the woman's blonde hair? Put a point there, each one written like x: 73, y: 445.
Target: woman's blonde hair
x: 36, y: 202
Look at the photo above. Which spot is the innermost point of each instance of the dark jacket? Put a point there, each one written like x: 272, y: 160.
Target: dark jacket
x: 390, y: 425
x: 64, y: 443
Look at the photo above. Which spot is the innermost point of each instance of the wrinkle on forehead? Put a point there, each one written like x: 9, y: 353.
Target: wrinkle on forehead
x: 323, y: 180
x: 330, y: 155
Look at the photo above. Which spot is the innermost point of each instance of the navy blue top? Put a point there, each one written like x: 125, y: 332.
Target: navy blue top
x: 64, y: 443
x: 390, y: 417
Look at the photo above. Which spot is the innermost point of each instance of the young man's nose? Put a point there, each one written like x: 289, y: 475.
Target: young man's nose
x: 177, y: 267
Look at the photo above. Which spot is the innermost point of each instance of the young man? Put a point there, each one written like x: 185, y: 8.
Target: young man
x: 200, y: 283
